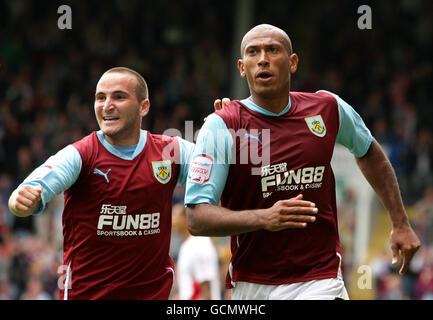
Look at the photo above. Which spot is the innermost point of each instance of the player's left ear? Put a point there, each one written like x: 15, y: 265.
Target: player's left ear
x: 293, y: 62
x: 144, y: 107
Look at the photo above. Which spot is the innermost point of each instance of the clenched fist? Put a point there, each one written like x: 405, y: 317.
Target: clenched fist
x: 25, y: 200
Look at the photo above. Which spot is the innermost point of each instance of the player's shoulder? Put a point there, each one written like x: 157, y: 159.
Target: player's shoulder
x: 161, y: 139
x: 319, y: 100
x: 230, y: 110
x: 87, y: 147
x: 231, y: 113
x: 320, y: 95
x: 164, y: 144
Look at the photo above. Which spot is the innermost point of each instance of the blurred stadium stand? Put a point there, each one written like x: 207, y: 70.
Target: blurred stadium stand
x: 187, y: 51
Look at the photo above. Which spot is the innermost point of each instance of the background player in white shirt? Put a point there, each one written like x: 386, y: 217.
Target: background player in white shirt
x: 197, y: 267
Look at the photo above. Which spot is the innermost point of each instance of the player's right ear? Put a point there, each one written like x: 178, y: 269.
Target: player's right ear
x: 241, y: 68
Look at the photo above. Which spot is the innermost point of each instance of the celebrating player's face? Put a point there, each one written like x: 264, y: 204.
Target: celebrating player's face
x: 117, y: 109
x: 267, y: 63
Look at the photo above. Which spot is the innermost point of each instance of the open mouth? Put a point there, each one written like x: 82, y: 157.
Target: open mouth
x: 264, y: 75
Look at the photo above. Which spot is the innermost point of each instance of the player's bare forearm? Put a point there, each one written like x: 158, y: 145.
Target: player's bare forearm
x: 379, y: 173
x: 213, y: 221
x: 209, y: 220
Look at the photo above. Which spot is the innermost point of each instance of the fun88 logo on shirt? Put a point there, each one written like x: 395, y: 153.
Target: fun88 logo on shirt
x: 114, y: 221
x: 278, y: 177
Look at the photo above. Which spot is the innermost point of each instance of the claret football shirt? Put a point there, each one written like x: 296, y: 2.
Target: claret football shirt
x: 249, y: 158
x: 117, y: 214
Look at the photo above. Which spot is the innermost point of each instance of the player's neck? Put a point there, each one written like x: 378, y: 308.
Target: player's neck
x: 275, y: 105
x: 130, y: 140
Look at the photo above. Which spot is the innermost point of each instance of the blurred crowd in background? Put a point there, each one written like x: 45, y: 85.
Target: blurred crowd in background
x: 185, y: 52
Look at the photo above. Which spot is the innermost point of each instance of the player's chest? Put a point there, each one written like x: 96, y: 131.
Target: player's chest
x: 299, y: 140
x: 144, y: 176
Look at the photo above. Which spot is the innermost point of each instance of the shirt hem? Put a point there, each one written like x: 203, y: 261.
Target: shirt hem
x: 263, y: 281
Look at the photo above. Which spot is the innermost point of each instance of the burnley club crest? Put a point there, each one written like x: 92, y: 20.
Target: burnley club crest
x: 162, y: 170
x: 316, y: 125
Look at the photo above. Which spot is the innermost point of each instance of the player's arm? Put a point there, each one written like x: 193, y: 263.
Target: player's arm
x: 25, y: 200
x: 186, y: 151
x: 187, y: 148
x: 378, y: 171
x: 205, y: 184
x: 57, y: 174
x: 211, y: 220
